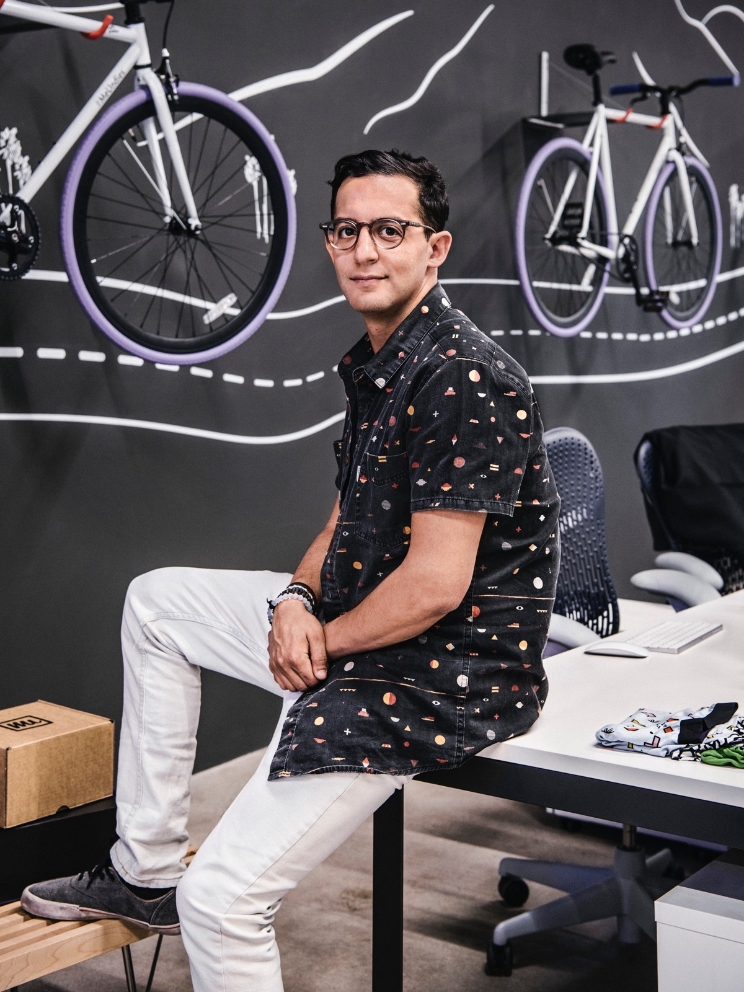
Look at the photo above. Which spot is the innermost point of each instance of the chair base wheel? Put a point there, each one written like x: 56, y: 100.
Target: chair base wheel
x: 499, y: 960
x: 514, y: 891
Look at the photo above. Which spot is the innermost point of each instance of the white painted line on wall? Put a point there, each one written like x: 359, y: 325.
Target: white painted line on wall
x: 148, y: 425
x: 292, y: 382
x: 322, y: 68
x: 167, y: 368
x: 56, y: 353
x: 289, y: 314
x: 91, y: 356
x: 11, y: 352
x: 204, y: 373
x: 130, y: 360
x: 265, y: 383
x: 314, y: 72
x: 314, y: 377
x: 424, y: 85
x: 237, y: 379
x: 644, y: 376
x: 479, y: 282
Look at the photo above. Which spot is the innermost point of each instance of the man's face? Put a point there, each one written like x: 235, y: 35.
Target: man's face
x: 378, y: 280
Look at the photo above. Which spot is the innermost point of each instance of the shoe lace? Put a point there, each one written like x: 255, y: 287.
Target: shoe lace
x: 99, y: 872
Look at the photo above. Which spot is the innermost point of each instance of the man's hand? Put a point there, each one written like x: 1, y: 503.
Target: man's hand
x: 297, y: 651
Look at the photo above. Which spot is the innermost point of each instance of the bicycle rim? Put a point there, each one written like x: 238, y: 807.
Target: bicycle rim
x: 563, y: 287
x: 142, y: 275
x: 673, y: 264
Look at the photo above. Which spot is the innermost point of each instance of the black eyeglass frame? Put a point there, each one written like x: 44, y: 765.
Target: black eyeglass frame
x: 328, y: 226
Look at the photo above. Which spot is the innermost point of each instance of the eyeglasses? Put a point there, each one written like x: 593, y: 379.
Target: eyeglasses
x: 386, y: 232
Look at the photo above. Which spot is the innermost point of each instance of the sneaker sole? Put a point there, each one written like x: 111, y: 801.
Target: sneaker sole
x: 48, y: 910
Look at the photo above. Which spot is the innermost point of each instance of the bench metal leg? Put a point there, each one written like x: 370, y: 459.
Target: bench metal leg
x: 126, y: 953
x: 129, y: 966
x: 387, y: 896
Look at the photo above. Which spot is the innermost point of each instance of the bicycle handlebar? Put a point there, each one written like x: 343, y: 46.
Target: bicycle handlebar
x: 670, y: 91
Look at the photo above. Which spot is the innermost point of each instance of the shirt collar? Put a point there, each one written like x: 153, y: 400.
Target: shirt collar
x: 381, y: 367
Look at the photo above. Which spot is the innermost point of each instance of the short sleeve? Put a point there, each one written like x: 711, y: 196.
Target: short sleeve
x: 468, y: 439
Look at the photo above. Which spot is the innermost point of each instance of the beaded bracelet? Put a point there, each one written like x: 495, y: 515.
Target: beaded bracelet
x: 298, y: 591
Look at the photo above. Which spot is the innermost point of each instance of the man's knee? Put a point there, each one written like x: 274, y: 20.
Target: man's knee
x: 202, y: 902
x: 152, y: 591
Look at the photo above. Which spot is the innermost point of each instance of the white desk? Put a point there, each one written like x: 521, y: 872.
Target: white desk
x: 557, y: 763
x: 588, y: 691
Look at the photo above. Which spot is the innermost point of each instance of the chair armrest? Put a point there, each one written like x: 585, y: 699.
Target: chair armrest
x: 680, y: 561
x: 570, y: 633
x: 681, y: 586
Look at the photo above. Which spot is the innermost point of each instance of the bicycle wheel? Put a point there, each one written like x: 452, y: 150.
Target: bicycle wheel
x: 144, y: 278
x: 688, y: 272
x: 563, y: 287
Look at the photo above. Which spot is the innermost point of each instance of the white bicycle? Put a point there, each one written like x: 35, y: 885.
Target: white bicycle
x: 567, y: 231
x: 178, y: 218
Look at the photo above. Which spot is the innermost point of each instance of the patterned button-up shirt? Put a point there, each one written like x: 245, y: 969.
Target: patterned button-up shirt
x: 439, y: 418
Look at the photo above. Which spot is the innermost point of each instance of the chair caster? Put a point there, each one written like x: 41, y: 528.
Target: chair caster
x: 499, y: 960
x: 513, y: 890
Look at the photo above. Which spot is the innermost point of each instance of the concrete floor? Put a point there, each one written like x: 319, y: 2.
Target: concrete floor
x: 454, y: 842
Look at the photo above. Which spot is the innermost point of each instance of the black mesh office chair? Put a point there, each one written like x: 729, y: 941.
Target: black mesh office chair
x: 586, y: 607
x: 692, y: 480
x: 585, y: 591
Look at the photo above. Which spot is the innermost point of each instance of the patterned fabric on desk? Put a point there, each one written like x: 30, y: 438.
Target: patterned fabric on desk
x: 684, y: 735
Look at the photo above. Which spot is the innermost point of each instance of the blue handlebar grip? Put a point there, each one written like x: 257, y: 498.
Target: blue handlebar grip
x: 626, y: 88
x: 724, y: 80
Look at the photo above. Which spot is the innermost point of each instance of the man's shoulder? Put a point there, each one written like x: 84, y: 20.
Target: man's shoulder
x: 457, y: 337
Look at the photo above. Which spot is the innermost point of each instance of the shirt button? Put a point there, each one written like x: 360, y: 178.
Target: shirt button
x: 380, y: 382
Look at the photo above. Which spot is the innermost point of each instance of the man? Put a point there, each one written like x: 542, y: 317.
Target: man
x: 435, y: 575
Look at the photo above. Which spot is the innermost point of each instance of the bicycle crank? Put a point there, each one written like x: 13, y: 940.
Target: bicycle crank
x: 649, y: 300
x: 19, y: 237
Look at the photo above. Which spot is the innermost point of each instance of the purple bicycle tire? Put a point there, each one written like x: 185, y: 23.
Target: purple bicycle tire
x: 648, y: 239
x: 93, y: 136
x: 535, y: 165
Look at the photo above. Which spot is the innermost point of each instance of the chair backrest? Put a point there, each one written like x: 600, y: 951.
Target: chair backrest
x: 585, y: 590
x: 692, y: 483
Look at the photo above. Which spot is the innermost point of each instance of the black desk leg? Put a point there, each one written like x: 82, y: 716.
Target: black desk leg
x: 387, y: 896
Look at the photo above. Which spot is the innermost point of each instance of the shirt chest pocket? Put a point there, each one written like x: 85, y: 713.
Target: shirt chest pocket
x: 383, y: 501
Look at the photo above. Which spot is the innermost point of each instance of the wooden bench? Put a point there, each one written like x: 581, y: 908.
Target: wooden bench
x: 31, y: 947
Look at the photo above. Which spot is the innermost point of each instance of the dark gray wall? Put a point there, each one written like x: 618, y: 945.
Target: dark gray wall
x: 85, y: 508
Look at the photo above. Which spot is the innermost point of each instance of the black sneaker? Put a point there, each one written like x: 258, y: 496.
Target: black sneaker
x: 100, y: 894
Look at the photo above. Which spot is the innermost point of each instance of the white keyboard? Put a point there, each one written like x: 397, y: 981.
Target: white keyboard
x: 674, y: 636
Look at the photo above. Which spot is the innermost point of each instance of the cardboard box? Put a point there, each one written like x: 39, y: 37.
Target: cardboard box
x: 52, y: 758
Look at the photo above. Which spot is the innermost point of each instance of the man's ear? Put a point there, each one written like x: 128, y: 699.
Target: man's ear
x: 439, y: 245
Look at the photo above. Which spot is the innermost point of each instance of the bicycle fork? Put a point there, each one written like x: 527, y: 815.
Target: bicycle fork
x: 146, y: 77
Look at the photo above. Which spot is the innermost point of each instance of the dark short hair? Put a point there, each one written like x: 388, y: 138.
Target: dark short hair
x: 433, y: 200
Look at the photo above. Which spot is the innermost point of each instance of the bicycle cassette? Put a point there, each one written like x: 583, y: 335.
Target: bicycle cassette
x: 19, y: 237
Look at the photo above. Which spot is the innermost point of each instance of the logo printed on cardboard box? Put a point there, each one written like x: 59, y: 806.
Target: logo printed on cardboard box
x: 25, y: 723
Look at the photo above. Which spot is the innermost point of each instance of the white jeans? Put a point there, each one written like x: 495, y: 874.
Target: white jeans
x: 177, y: 621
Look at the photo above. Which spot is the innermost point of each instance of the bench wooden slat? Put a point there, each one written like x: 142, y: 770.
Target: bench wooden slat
x: 60, y: 950
x: 31, y: 947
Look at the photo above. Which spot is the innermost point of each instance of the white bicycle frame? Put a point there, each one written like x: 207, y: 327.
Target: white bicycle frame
x: 596, y: 141
x: 136, y: 57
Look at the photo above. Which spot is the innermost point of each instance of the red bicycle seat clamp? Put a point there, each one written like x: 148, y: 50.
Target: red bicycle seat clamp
x: 99, y: 32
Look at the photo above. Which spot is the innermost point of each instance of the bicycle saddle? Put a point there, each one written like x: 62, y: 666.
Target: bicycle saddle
x: 586, y: 58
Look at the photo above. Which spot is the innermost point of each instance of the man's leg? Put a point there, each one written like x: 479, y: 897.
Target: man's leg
x: 177, y: 621
x: 272, y: 835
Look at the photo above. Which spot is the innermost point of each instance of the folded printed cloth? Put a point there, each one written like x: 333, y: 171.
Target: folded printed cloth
x: 685, y: 734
